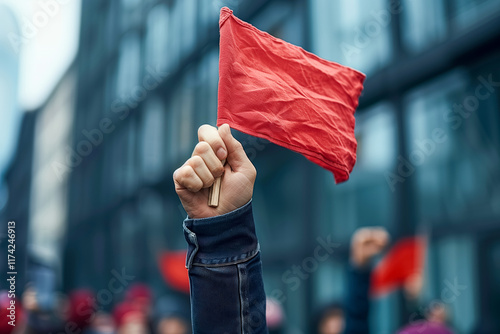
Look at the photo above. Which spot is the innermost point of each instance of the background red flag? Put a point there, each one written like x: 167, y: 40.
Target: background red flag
x: 173, y: 269
x: 403, y: 262
x: 274, y: 90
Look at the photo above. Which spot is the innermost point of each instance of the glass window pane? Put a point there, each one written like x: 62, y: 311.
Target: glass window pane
x: 188, y: 11
x: 457, y: 283
x: 152, y: 140
x: 174, y: 36
x: 466, y: 13
x: 187, y: 126
x: 353, y: 32
x: 209, y: 78
x: 450, y: 150
x: 423, y: 23
x: 173, y: 127
x: 156, y: 40
x: 128, y: 68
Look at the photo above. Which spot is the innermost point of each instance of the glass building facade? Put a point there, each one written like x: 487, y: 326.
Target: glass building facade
x: 428, y: 132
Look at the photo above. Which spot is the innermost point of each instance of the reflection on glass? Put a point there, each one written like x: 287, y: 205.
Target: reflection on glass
x: 152, y: 141
x: 423, y: 23
x: 157, y: 37
x: 128, y: 68
x: 450, y: 151
x: 466, y: 13
x: 354, y: 33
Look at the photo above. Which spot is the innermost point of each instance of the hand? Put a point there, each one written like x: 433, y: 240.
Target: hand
x: 366, y: 243
x: 29, y: 300
x: 198, y: 173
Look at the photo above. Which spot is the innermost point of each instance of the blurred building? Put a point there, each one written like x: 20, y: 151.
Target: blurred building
x: 18, y: 179
x: 36, y: 182
x: 51, y: 167
x: 14, y: 164
x: 428, y: 157
x: 9, y: 78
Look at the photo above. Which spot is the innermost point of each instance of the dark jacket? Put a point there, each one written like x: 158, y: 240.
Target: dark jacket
x: 225, y: 274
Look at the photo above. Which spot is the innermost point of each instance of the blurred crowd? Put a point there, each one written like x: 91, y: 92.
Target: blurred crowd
x: 140, y: 312
x: 79, y: 312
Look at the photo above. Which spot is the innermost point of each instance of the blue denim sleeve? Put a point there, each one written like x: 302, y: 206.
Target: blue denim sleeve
x: 357, y: 304
x: 225, y: 274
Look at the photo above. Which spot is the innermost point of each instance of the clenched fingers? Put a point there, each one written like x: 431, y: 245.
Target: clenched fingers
x: 209, y: 134
x: 211, y: 161
x: 186, y: 178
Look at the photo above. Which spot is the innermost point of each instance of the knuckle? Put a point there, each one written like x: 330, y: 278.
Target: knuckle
x: 209, y: 181
x: 184, y: 173
x: 196, y: 161
x: 194, y: 187
x: 238, y: 145
x: 254, y: 172
x: 202, y: 147
x: 218, y: 170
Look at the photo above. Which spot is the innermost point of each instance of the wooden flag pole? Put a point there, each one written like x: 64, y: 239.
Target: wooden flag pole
x: 214, y: 190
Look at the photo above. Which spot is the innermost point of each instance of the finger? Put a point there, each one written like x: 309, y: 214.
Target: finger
x: 201, y: 169
x: 186, y: 178
x: 204, y: 150
x: 209, y: 134
x: 236, y: 156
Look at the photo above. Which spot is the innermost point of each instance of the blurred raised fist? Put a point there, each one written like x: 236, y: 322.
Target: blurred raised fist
x: 198, y: 173
x: 366, y: 243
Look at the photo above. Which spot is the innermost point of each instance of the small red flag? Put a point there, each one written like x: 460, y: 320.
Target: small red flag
x: 274, y: 90
x: 173, y: 269
x: 403, y: 262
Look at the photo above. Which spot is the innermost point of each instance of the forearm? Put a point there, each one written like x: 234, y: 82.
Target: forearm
x: 357, y: 305
x: 227, y: 292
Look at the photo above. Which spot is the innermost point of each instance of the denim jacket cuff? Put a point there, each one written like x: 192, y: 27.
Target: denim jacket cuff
x: 221, y: 240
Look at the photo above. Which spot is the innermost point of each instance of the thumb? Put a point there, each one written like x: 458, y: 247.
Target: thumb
x: 236, y: 156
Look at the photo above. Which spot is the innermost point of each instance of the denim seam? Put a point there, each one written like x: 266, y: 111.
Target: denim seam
x: 242, y: 330
x: 248, y: 256
x: 194, y: 240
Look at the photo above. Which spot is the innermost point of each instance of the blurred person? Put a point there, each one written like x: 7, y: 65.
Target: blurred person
x: 330, y: 319
x: 40, y: 318
x: 81, y: 309
x: 275, y: 316
x: 172, y: 316
x: 437, y: 313
x: 11, y: 314
x: 130, y: 319
x: 172, y: 325
x: 101, y: 323
x: 425, y: 327
x: 141, y: 296
x: 366, y: 243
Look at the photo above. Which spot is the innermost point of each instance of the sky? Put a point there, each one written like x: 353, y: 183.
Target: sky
x: 50, y: 30
x: 46, y: 44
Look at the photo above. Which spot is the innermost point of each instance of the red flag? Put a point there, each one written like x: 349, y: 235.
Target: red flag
x: 402, y: 263
x: 274, y: 90
x: 173, y: 270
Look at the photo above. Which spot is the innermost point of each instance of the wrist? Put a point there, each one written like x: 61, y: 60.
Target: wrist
x: 221, y: 240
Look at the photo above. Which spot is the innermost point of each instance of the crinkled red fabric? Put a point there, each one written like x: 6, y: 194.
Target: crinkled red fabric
x: 274, y: 90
